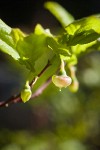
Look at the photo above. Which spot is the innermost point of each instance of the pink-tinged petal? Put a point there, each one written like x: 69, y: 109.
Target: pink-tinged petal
x: 61, y: 81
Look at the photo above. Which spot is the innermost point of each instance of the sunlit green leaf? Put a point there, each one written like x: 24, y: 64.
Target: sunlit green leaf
x: 71, y: 60
x: 7, y: 44
x: 79, y: 49
x: 63, y: 16
x: 57, y: 48
x: 8, y: 40
x: 34, y: 51
x: 8, y: 49
x: 4, y: 28
x: 82, y: 31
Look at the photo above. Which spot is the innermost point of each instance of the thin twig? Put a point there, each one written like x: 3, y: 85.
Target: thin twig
x: 36, y: 78
x: 40, y: 90
x: 16, y: 99
x: 33, y: 82
x: 13, y: 99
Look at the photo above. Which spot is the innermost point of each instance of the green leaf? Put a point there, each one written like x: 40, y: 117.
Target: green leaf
x: 57, y: 47
x: 8, y: 40
x: 16, y: 35
x: 71, y: 60
x: 8, y: 50
x: 95, y: 46
x: 4, y: 28
x: 62, y: 15
x: 82, y: 31
x: 79, y: 49
x: 33, y: 50
x: 26, y: 92
x: 39, y: 29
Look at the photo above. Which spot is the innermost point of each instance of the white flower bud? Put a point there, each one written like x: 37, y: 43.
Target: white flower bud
x: 61, y: 81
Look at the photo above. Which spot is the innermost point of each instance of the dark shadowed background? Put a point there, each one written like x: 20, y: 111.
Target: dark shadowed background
x: 29, y: 12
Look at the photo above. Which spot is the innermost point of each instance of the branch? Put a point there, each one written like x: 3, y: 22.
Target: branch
x: 16, y: 99
x: 13, y: 99
x: 40, y: 90
x: 36, y: 78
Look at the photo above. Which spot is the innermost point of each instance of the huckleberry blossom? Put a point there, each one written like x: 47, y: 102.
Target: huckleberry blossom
x: 61, y: 80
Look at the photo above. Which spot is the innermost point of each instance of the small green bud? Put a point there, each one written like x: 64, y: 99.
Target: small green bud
x: 26, y: 93
x: 74, y: 86
x: 61, y: 81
